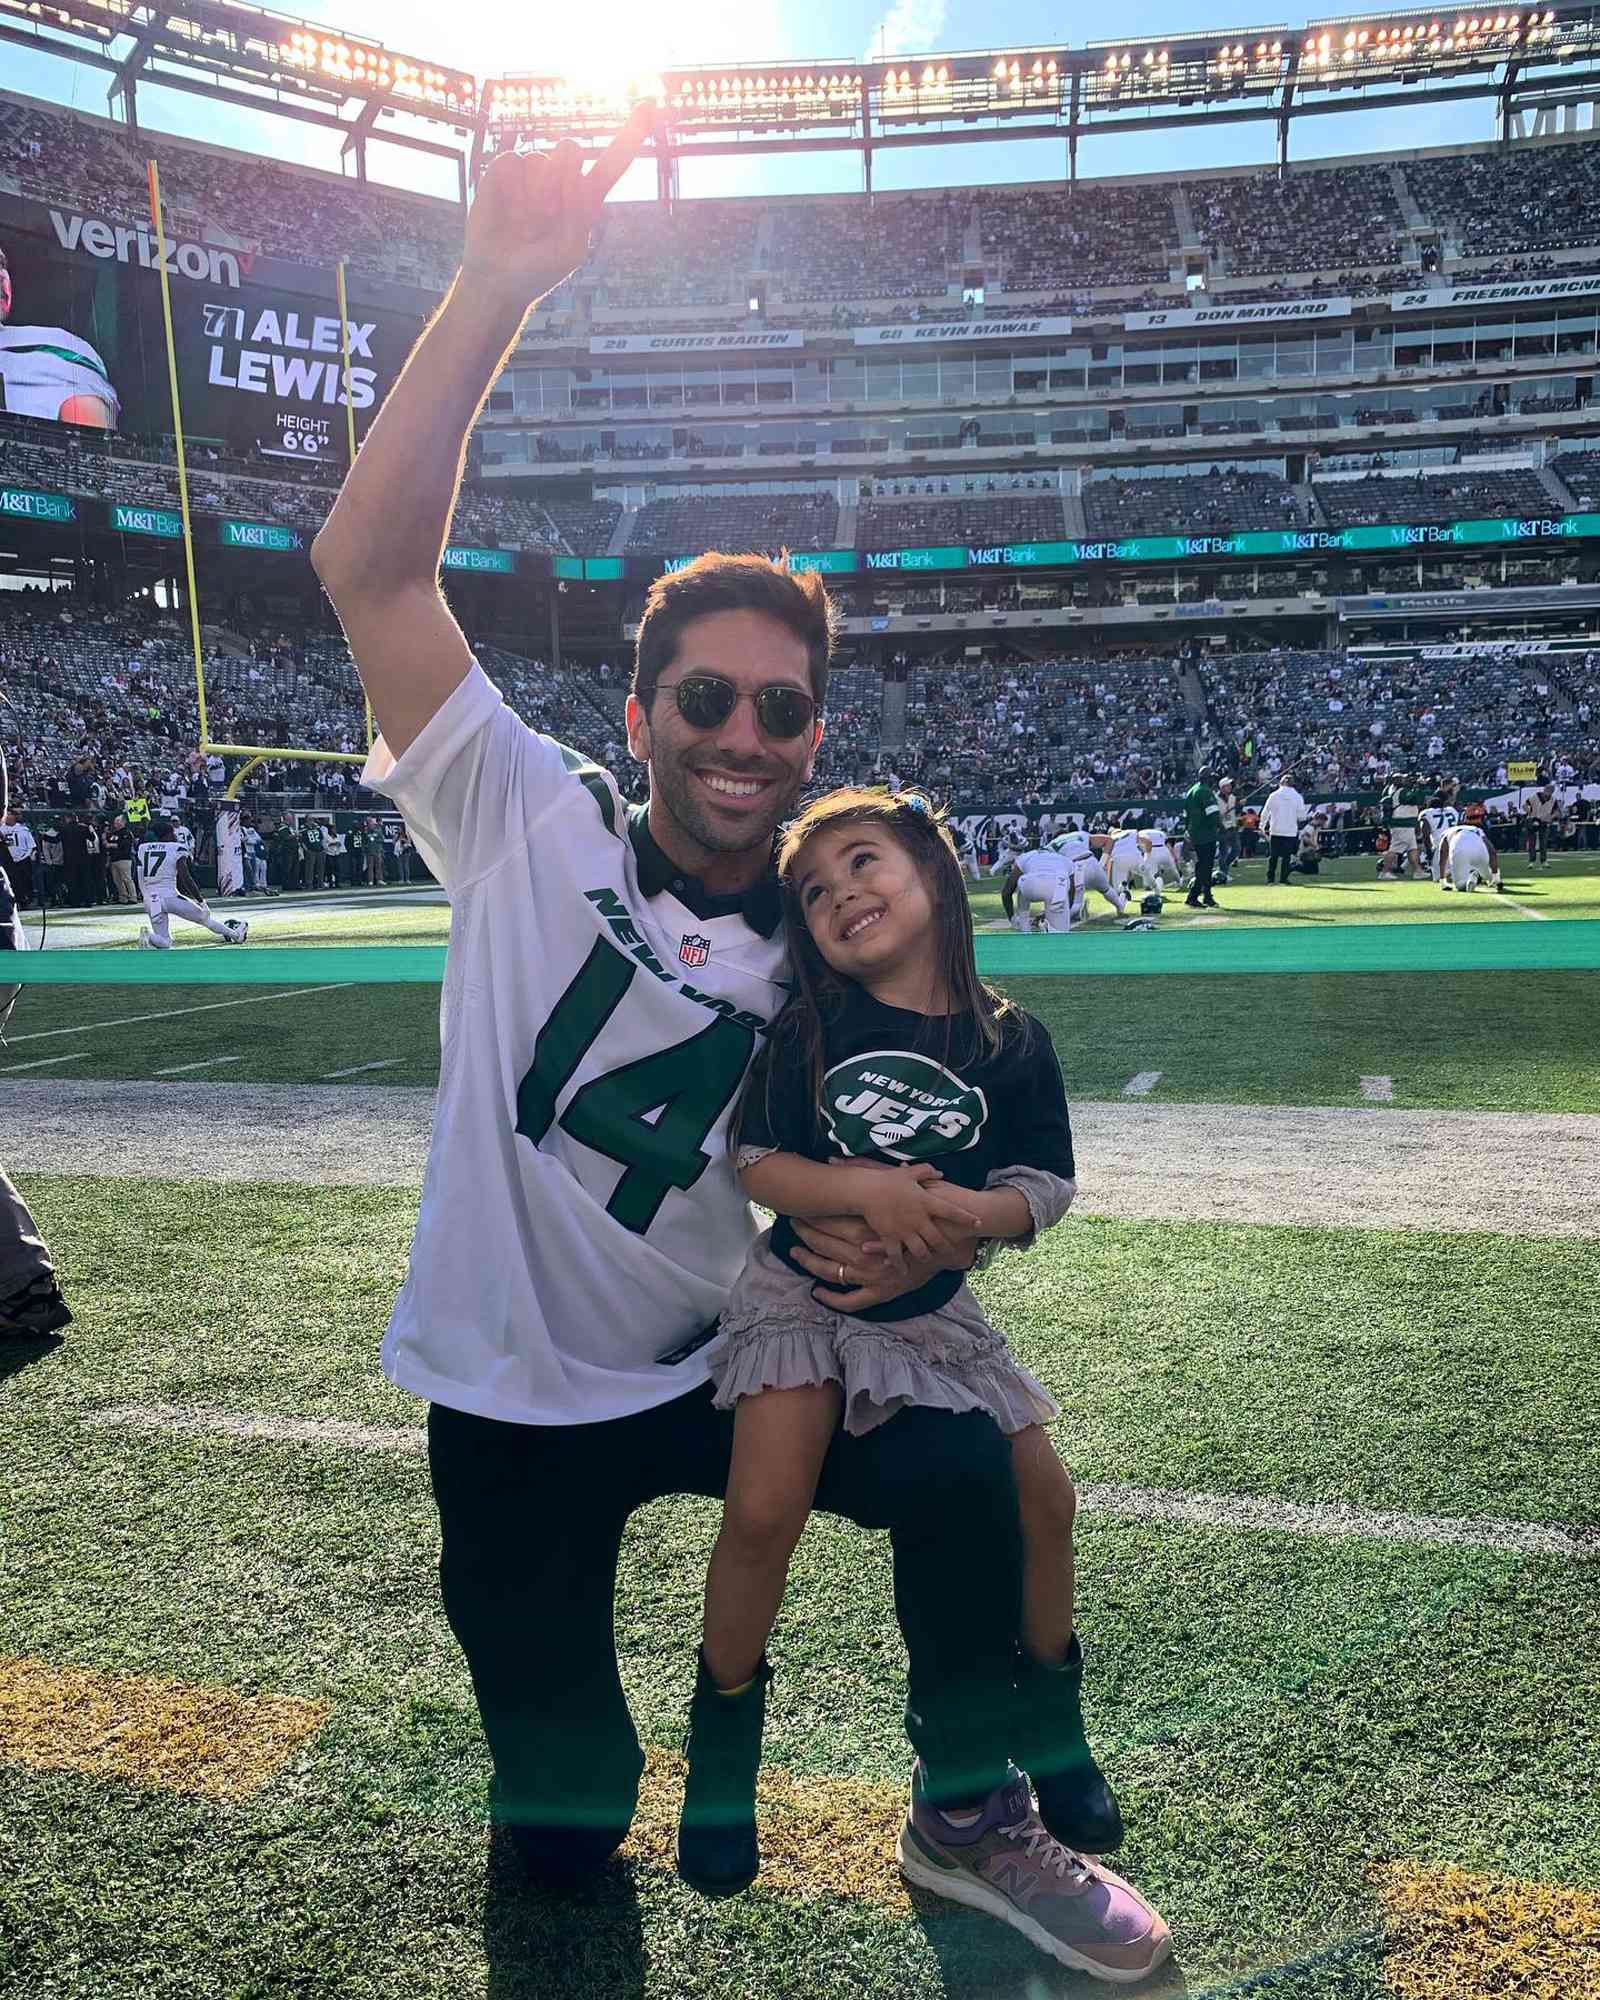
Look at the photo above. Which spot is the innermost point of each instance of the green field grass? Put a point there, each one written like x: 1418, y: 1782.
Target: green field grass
x: 1281, y: 1715
x: 1299, y: 1726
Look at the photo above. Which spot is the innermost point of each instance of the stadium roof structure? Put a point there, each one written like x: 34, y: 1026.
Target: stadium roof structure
x: 1524, y: 60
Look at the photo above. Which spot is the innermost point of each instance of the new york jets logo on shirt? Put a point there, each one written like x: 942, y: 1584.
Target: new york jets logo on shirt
x: 903, y: 1106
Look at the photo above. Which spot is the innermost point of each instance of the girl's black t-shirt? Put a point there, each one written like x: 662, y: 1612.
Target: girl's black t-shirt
x: 900, y: 1086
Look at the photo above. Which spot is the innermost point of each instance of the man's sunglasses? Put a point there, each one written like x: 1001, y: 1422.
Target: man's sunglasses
x: 705, y: 701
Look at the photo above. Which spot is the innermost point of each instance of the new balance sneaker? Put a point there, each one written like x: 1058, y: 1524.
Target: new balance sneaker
x: 1005, y: 1862
x: 1075, y: 1801
x: 37, y: 1309
x: 718, y: 1852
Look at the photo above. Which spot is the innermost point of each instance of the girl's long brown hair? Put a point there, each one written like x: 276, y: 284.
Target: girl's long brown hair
x: 918, y: 826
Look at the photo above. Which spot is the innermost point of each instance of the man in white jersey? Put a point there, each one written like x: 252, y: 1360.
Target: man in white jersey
x: 1127, y: 854
x: 47, y: 372
x: 1468, y: 857
x: 607, y: 978
x: 1161, y: 862
x: 1036, y: 876
x: 170, y: 890
x: 1435, y: 820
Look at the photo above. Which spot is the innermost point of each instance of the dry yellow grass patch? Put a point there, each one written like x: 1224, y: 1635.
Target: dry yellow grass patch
x: 819, y: 1836
x: 211, y: 1741
x: 1454, y: 1936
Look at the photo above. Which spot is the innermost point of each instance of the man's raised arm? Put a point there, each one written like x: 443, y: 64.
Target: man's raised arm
x: 379, y: 551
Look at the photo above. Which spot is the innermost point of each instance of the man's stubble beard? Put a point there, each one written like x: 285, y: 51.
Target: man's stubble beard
x: 669, y: 781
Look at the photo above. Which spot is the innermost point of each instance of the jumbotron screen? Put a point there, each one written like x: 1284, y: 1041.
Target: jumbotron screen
x: 257, y: 340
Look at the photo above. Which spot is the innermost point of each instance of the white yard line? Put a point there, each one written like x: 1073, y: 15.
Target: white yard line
x: 10, y: 1069
x: 1334, y: 1520
x: 1539, y: 916
x: 328, y: 1076
x: 176, y: 1013
x: 1142, y: 1084
x: 1323, y: 1520
x: 1378, y: 1089
x: 211, y: 1062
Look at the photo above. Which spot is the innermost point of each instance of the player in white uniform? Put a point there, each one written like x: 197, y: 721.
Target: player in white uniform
x: 1433, y: 822
x: 170, y: 890
x: 1039, y: 875
x: 1160, y: 860
x: 1073, y: 845
x: 1467, y: 856
x: 47, y: 372
x: 1125, y: 857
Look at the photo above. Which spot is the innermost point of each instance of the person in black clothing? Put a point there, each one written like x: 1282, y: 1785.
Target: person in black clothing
x: 896, y: 1083
x: 75, y: 860
x: 30, y: 1298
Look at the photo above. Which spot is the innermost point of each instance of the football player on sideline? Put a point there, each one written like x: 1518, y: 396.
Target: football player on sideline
x: 170, y: 890
x: 608, y: 977
x: 1467, y: 856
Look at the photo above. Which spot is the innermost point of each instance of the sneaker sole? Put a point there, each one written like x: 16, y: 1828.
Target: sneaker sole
x: 960, y: 1887
x: 705, y: 1887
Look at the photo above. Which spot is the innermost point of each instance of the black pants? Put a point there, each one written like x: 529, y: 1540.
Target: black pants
x: 1205, y: 868
x: 532, y: 1519
x: 1282, y: 853
x: 1538, y: 840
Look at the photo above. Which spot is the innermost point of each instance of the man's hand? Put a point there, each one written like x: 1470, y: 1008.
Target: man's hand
x: 531, y: 217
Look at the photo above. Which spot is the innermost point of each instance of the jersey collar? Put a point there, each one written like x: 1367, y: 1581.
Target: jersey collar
x: 761, y: 905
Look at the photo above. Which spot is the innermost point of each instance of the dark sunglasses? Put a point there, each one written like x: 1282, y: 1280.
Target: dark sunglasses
x: 705, y: 701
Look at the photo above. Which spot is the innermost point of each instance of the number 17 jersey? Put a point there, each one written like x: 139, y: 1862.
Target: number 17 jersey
x: 580, y: 1218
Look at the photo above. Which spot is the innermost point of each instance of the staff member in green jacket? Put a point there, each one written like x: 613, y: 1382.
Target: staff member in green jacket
x: 1202, y: 823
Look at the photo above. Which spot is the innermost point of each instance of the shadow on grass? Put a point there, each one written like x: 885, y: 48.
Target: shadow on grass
x: 20, y: 1350
x: 586, y: 1940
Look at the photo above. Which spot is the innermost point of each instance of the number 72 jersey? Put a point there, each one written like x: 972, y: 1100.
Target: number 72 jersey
x: 580, y: 1217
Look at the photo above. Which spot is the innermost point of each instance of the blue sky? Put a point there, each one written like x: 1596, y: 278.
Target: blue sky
x: 493, y: 39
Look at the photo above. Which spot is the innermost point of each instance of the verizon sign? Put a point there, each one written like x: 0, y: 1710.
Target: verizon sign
x: 122, y: 243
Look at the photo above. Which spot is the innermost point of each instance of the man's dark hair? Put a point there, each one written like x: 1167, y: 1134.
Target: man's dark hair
x: 797, y: 599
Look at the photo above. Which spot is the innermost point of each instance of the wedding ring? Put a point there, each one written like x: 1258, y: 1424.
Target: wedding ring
x: 841, y: 1275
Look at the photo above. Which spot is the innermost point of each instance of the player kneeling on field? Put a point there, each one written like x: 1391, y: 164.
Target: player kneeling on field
x: 170, y: 890
x: 1467, y: 859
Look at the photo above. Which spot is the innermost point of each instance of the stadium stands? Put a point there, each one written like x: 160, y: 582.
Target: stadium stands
x: 1015, y: 517
x: 1460, y: 494
x: 1213, y: 503
x: 686, y: 524
x: 1314, y: 219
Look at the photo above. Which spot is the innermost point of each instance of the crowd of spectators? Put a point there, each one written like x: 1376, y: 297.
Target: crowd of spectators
x: 1215, y: 503
x: 683, y: 524
x: 1311, y: 218
x: 1528, y: 198
x: 980, y: 521
x: 1339, y: 719
x: 1096, y: 233
x: 903, y: 246
x: 1460, y: 493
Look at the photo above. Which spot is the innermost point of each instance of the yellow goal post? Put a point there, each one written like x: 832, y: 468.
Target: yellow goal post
x: 256, y: 753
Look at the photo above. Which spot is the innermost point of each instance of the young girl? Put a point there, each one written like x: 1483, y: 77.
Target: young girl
x: 898, y: 1087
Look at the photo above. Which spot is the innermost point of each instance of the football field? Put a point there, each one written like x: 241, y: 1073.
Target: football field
x: 1324, y: 1329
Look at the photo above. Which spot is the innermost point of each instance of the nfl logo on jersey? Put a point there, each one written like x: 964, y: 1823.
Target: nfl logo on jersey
x: 694, y: 950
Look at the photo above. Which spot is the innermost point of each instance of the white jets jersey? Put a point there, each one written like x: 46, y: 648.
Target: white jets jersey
x: 185, y: 840
x: 1438, y: 818
x: 41, y: 366
x: 158, y: 864
x: 1072, y: 846
x: 580, y: 1217
x: 1041, y: 861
